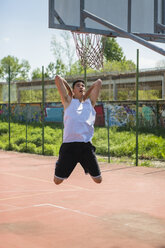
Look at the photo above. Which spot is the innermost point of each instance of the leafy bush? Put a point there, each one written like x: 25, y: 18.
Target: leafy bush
x: 2, y: 145
x: 35, y: 131
x: 49, y: 150
x: 31, y: 148
x: 122, y: 142
x: 20, y: 140
x: 48, y: 139
x: 102, y: 149
x: 36, y: 139
x: 10, y: 147
x: 3, y: 128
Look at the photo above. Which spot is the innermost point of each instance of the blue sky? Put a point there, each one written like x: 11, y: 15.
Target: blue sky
x: 24, y: 33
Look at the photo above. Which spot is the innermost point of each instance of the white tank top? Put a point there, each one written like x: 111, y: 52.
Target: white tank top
x: 79, y: 119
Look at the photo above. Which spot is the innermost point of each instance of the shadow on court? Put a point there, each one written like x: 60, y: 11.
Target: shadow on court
x: 126, y: 210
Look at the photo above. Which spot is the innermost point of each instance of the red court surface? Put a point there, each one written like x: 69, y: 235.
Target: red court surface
x: 126, y: 210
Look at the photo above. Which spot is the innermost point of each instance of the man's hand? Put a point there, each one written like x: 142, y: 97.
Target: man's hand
x: 93, y: 91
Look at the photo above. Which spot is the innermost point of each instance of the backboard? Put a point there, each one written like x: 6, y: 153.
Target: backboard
x: 139, y: 20
x: 146, y: 18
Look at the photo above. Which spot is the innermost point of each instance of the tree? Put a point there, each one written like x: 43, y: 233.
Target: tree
x: 18, y: 70
x: 112, y: 50
x: 0, y: 71
x: 51, y: 70
x: 36, y: 74
x: 56, y: 48
x: 24, y: 70
x: 76, y: 69
x: 64, y: 51
x: 69, y: 49
x: 60, y: 67
x: 119, y: 66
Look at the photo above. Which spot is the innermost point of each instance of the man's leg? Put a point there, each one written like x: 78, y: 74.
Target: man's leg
x: 89, y: 163
x: 57, y: 180
x: 97, y: 179
x: 64, y: 165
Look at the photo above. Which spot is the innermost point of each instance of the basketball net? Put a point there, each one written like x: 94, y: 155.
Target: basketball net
x: 89, y: 48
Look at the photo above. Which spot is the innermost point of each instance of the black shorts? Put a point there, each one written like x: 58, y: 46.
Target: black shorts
x: 76, y: 152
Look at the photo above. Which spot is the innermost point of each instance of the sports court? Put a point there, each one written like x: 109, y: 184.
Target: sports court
x: 126, y: 210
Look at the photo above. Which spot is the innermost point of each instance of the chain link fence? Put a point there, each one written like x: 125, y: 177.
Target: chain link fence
x: 37, y: 105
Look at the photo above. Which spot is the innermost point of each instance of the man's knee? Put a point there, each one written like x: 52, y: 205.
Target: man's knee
x: 57, y: 180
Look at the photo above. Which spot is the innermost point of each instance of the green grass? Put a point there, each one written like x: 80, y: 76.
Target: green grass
x: 122, y: 142
x: 52, y: 138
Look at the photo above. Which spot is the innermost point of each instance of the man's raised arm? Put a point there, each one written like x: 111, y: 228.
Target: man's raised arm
x: 64, y: 90
x: 93, y: 91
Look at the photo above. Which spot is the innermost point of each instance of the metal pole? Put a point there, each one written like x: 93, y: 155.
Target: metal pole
x: 9, y: 108
x: 108, y: 135
x: 123, y: 33
x: 157, y: 115
x: 43, y: 109
x: 137, y: 105
x: 26, y: 127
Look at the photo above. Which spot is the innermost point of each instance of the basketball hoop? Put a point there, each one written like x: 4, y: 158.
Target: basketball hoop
x: 89, y: 48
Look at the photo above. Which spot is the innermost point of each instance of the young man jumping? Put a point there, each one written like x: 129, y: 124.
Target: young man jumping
x: 79, y: 118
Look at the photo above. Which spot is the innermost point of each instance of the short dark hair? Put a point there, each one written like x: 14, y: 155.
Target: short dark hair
x: 77, y: 81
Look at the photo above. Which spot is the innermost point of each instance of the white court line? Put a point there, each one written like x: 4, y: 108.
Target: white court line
x: 31, y: 178
x: 14, y: 208
x: 25, y: 196
x: 28, y: 167
x: 38, y: 194
x: 64, y: 208
x: 32, y: 191
x: 42, y: 180
x: 7, y: 205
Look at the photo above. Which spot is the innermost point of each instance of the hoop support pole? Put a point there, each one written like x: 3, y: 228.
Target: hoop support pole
x: 43, y: 109
x: 137, y: 107
x: 108, y: 135
x: 124, y: 33
x: 9, y: 104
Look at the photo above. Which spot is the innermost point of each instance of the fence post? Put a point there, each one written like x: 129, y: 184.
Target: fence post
x: 9, y: 107
x: 43, y: 109
x: 26, y: 127
x: 157, y: 114
x: 137, y: 105
x: 108, y: 135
